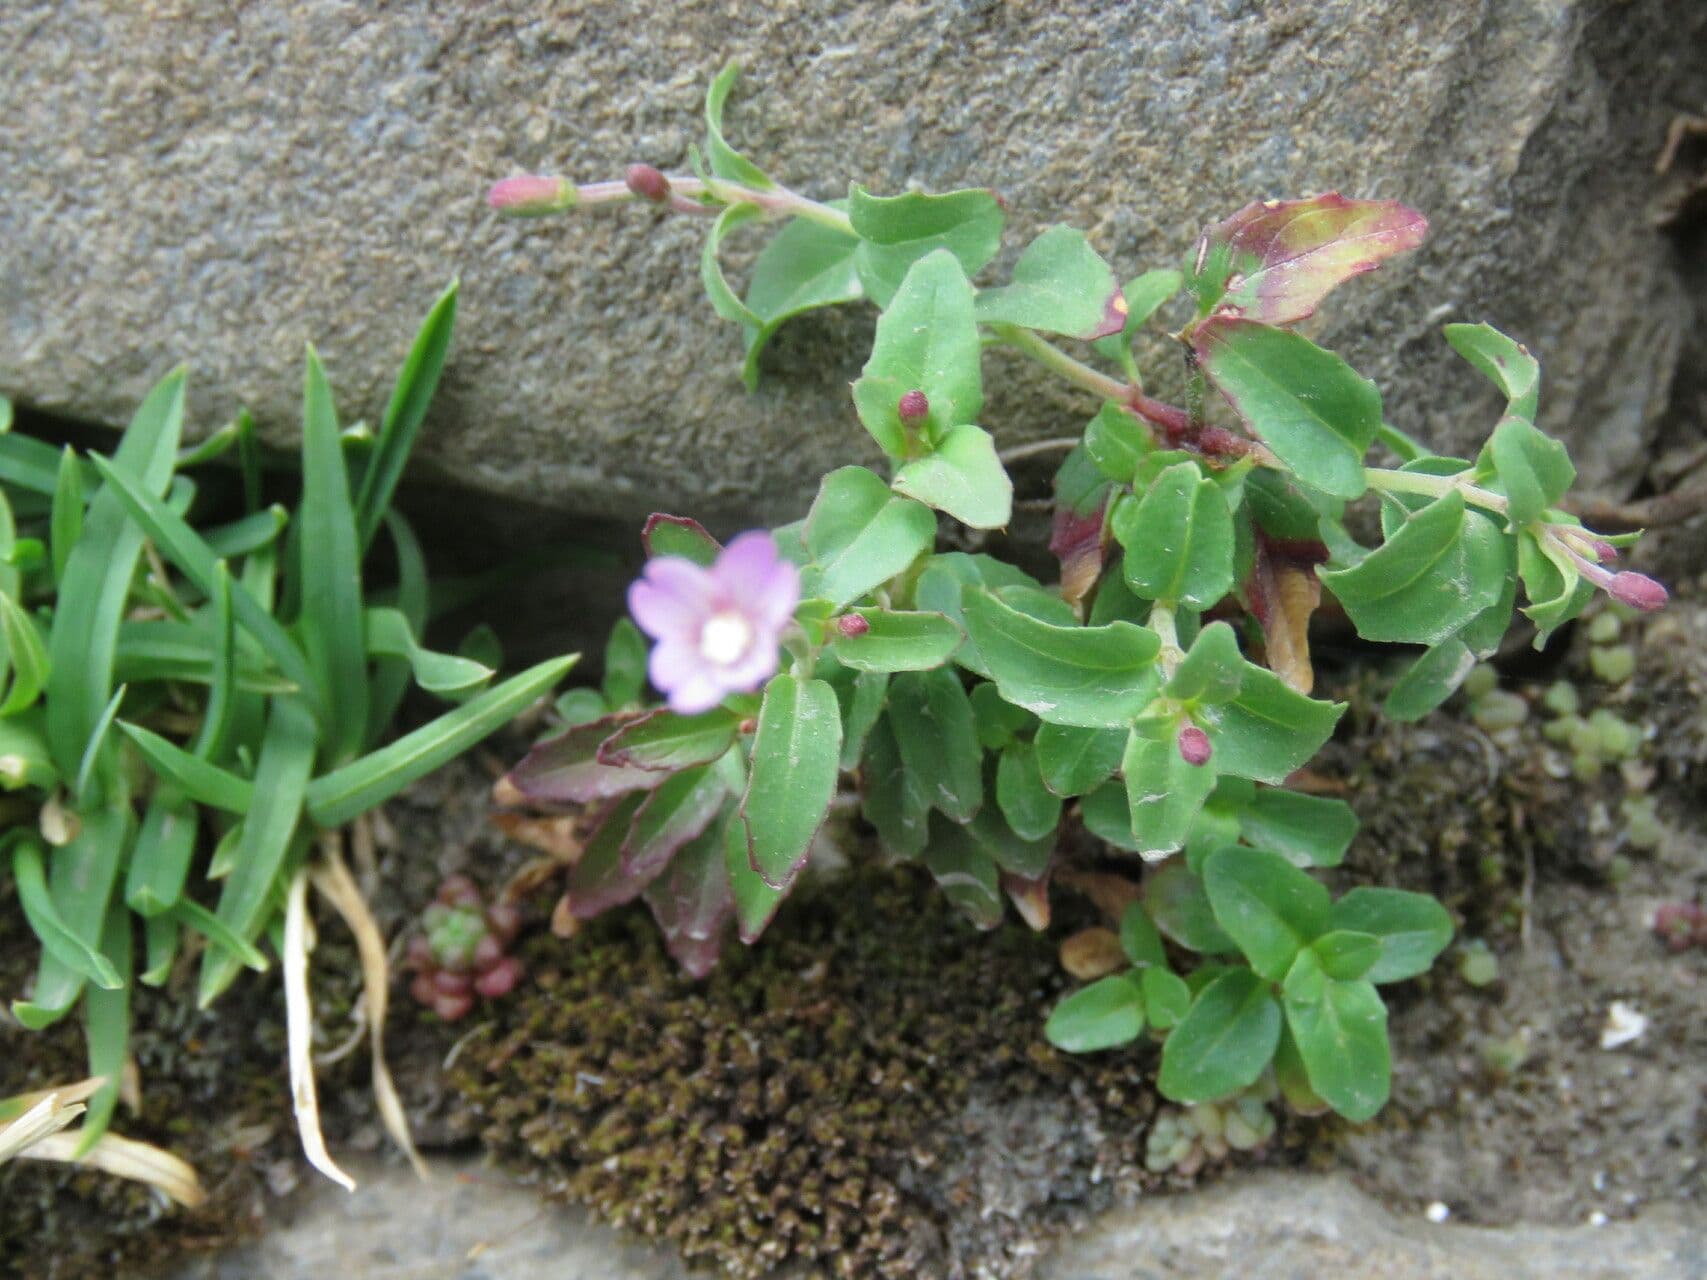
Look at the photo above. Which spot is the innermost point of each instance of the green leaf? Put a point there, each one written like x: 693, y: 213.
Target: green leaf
x: 1107, y: 815
x: 1117, y: 442
x: 1269, y: 730
x: 1305, y: 981
x: 1104, y: 1015
x: 600, y: 878
x: 181, y: 545
x: 755, y: 901
x: 1167, y: 999
x: 938, y: 739
x: 28, y: 655
x: 1342, y: 1039
x: 893, y: 799
x: 896, y: 641
x: 999, y: 721
x: 1505, y: 362
x: 1413, y: 929
x: 31, y: 465
x: 66, y: 523
x: 160, y: 858
x: 1178, y: 539
x: 1164, y: 793
x: 943, y: 583
x: 1285, y: 256
x: 667, y: 741
x: 1074, y: 761
x: 625, y: 664
x: 796, y: 757
x: 416, y: 382
x: 1266, y: 905
x: 724, y: 300
x: 337, y: 797
x: 963, y: 478
x: 897, y: 231
x: 1534, y: 469
x: 1308, y: 405
x: 330, y: 568
x: 106, y: 1027
x: 1032, y: 810
x: 1213, y: 670
x: 1429, y: 681
x: 861, y: 535
x: 1556, y: 589
x: 1346, y: 954
x: 863, y: 699
x: 726, y: 162
x: 1176, y: 901
x: 270, y: 829
x: 1440, y: 569
x: 25, y: 760
x: 1143, y: 296
x: 927, y: 340
x: 677, y: 812
x: 1309, y: 831
x: 57, y: 937
x: 250, y: 533
x: 1092, y: 677
x: 1139, y: 939
x: 966, y: 873
x: 1222, y: 1045
x: 201, y: 781
x: 1026, y: 857
x: 1060, y: 285
x: 805, y: 266
x: 95, y: 585
x: 679, y: 536
x: 388, y: 633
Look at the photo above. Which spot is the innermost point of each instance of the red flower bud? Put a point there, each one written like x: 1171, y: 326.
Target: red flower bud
x: 913, y: 407
x: 648, y: 183
x: 1637, y: 590
x: 1194, y: 745
x: 851, y: 624
x: 531, y: 197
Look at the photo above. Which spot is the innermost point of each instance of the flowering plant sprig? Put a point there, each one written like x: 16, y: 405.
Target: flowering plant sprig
x: 1160, y: 691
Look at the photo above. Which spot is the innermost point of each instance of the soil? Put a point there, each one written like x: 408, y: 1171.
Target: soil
x: 878, y: 1081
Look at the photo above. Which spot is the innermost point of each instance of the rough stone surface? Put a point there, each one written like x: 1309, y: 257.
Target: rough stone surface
x: 470, y: 1224
x: 220, y: 183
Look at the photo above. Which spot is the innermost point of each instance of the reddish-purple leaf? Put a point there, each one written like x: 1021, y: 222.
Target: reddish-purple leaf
x: 597, y: 882
x: 1077, y: 541
x: 1287, y: 255
x: 678, y: 536
x: 669, y: 817
x: 664, y: 741
x: 693, y: 903
x: 567, y: 769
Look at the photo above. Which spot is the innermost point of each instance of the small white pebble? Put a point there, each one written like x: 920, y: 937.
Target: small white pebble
x: 1437, y: 1212
x: 1597, y: 1219
x: 1623, y: 1025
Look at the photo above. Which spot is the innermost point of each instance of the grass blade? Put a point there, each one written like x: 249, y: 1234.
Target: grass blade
x: 391, y: 676
x: 97, y: 740
x: 330, y: 571
x: 56, y: 936
x: 191, y: 913
x: 339, y: 796
x: 98, y: 574
x: 29, y: 464
x: 106, y: 1024
x: 65, y: 524
x: 184, y: 547
x: 160, y: 859
x: 24, y: 757
x: 416, y: 383
x: 160, y: 949
x: 444, y: 674
x: 269, y: 834
x: 251, y: 533
x: 28, y: 654
x: 202, y: 782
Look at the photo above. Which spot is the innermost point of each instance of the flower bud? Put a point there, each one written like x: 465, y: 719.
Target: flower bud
x: 1604, y: 551
x: 913, y: 408
x: 851, y: 624
x: 531, y: 196
x: 1637, y: 590
x: 648, y: 183
x: 1194, y: 745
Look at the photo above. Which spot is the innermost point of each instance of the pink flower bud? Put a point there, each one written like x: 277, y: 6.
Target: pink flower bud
x: 1194, y: 745
x: 913, y: 407
x: 851, y: 624
x: 531, y: 196
x: 1637, y: 590
x: 648, y: 183
x: 1604, y: 551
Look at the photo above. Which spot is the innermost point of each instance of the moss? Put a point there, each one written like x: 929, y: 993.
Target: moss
x: 868, y: 1091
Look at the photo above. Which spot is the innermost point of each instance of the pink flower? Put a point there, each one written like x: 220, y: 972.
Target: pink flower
x: 717, y: 629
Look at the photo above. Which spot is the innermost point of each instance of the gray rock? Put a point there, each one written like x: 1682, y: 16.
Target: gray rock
x: 471, y: 1224
x: 220, y: 183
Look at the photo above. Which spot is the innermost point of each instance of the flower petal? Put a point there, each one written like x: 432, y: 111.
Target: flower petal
x: 672, y: 599
x: 701, y: 693
x: 756, y: 579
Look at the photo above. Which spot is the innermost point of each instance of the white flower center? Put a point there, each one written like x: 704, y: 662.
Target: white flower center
x: 725, y: 637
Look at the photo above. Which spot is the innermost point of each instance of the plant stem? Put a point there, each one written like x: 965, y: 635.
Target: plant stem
x: 1390, y: 481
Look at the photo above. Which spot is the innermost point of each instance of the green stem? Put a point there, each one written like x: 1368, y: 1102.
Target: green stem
x: 776, y: 200
x: 1161, y: 621
x: 1059, y: 362
x: 1389, y: 481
